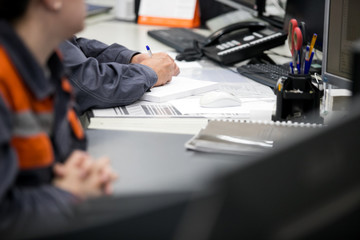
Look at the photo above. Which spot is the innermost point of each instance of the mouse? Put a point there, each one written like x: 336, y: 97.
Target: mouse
x: 218, y: 99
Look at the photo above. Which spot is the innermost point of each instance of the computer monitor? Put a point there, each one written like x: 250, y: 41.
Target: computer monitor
x: 257, y: 8
x: 312, y: 13
x: 341, y: 30
x: 356, y: 69
x: 247, y: 5
x: 309, y: 189
x: 93, y: 9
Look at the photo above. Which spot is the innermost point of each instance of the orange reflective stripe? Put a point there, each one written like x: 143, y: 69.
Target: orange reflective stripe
x: 46, y: 105
x: 75, y: 124
x: 34, y: 152
x: 17, y: 98
x: 66, y: 86
x: 15, y: 91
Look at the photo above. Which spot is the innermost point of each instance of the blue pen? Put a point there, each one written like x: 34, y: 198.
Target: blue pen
x: 148, y: 50
x: 311, y: 57
x: 298, y: 64
x: 292, y: 67
x: 308, y: 63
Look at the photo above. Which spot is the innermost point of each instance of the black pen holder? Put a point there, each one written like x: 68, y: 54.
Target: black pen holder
x: 298, y: 100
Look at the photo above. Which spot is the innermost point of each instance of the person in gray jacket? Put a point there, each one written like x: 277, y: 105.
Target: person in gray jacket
x: 106, y: 76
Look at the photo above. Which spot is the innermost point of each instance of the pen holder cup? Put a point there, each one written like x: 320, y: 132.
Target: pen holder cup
x: 298, y: 99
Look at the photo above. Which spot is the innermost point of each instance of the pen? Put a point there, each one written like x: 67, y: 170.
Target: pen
x: 305, y: 59
x: 303, y: 31
x: 292, y: 67
x: 313, y: 40
x: 308, y: 63
x: 148, y: 50
x: 298, y: 62
x: 311, y: 58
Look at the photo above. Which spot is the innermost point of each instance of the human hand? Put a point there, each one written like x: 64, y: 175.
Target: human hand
x: 138, y: 58
x: 84, y: 177
x: 164, y: 66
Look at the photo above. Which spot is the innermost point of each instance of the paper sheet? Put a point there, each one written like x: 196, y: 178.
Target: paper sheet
x: 179, y: 87
x: 186, y: 107
x: 258, y: 103
x: 179, y: 9
x: 139, y: 109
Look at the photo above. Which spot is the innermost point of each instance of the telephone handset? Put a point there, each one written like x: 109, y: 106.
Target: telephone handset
x: 251, y: 26
x: 229, y: 45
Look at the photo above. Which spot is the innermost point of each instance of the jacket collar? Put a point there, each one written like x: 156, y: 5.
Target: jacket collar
x: 27, y: 66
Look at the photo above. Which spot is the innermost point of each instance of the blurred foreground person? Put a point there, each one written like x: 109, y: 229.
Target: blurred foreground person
x: 44, y: 170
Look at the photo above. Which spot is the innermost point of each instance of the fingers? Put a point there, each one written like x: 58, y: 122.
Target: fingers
x: 106, y: 176
x: 108, y: 189
x: 59, y: 170
x: 175, y: 69
x: 106, y: 172
x: 85, y: 167
x: 77, y: 158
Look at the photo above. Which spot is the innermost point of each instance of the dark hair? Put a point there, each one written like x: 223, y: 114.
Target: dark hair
x: 11, y: 10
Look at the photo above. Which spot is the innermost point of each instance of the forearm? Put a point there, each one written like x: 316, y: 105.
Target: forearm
x: 109, y: 84
x: 102, y: 52
x: 105, y: 84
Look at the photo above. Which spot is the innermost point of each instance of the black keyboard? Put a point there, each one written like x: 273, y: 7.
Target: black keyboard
x: 266, y: 74
x: 177, y: 38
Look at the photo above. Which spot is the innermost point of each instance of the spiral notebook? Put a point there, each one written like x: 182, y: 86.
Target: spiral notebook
x: 246, y: 137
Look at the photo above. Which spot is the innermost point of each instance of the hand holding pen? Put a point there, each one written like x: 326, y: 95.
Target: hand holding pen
x: 161, y: 63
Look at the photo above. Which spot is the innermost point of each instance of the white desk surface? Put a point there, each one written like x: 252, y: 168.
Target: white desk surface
x: 153, y: 162
x: 149, y: 162
x: 134, y: 36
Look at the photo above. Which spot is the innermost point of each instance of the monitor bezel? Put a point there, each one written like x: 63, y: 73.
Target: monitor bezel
x: 328, y: 77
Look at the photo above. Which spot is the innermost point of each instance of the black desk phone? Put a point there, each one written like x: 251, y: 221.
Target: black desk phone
x: 241, y: 41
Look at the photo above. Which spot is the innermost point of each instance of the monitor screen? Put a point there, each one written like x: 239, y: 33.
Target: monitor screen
x: 248, y: 5
x: 341, y: 31
x: 258, y: 8
x: 312, y: 13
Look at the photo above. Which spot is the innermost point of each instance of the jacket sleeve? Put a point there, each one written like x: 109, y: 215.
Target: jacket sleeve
x: 26, y: 210
x: 102, y: 76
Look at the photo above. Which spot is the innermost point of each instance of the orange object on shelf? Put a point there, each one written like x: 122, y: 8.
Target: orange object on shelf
x: 172, y: 22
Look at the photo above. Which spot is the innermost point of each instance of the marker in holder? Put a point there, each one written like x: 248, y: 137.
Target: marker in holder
x: 298, y: 99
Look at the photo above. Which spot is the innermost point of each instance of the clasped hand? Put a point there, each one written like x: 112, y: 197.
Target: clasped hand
x: 85, y: 177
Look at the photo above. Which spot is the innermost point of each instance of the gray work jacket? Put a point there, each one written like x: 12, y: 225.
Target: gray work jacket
x: 102, y: 74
